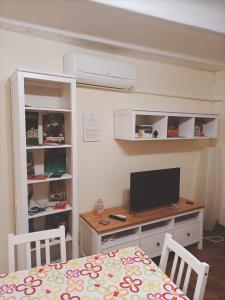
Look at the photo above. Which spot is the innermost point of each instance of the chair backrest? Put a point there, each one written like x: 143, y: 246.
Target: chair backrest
x: 37, y: 237
x: 185, y: 257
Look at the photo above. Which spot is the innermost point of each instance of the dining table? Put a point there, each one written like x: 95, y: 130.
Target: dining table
x: 126, y: 273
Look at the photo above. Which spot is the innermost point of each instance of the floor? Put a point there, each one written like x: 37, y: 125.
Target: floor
x: 214, y: 255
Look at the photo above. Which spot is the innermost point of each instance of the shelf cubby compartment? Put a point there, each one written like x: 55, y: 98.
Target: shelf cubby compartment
x: 186, y: 219
x: 157, y: 122
x: 46, y: 95
x: 206, y: 127
x: 38, y: 155
x: 152, y: 228
x: 117, y: 238
x: 40, y: 197
x: 180, y: 126
x: 40, y: 115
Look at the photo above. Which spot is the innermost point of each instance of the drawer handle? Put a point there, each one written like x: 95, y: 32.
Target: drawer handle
x: 158, y: 244
x: 188, y: 234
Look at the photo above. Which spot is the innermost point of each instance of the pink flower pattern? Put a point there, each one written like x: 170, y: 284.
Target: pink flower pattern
x: 154, y: 296
x: 132, y: 284
x: 112, y: 253
x: 91, y: 270
x: 67, y: 296
x: 126, y: 260
x: 7, y: 289
x: 120, y: 274
x: 59, y: 265
x: 72, y: 274
x: 29, y: 286
x: 140, y: 256
x: 172, y: 292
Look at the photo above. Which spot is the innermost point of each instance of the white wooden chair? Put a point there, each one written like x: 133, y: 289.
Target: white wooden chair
x: 200, y: 268
x: 37, y: 237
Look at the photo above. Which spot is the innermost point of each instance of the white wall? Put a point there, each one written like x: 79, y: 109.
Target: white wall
x: 103, y: 167
x: 219, y: 93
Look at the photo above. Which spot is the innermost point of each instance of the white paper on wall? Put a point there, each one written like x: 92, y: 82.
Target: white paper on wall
x: 91, y: 127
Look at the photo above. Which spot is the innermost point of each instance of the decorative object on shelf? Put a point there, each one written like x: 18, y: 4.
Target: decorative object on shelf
x: 155, y: 133
x: 199, y: 129
x: 56, y: 220
x: 53, y: 129
x: 55, y: 161
x: 32, y: 128
x: 57, y: 190
x: 30, y: 164
x: 99, y: 207
x: 143, y: 131
x: 173, y: 127
x: 60, y: 205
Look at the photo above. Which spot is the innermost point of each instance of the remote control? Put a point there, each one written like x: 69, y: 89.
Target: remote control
x: 118, y: 217
x: 189, y: 202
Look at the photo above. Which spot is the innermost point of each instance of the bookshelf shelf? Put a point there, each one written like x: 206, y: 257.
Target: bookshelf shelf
x: 48, y: 146
x: 50, y: 211
x: 64, y: 176
x: 47, y: 109
x: 44, y: 110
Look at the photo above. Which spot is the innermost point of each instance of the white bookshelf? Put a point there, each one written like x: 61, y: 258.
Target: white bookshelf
x: 44, y: 94
x: 127, y: 123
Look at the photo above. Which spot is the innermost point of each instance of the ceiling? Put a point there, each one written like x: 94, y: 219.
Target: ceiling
x: 126, y: 30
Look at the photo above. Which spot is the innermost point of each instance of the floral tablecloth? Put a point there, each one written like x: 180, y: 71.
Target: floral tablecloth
x: 122, y: 274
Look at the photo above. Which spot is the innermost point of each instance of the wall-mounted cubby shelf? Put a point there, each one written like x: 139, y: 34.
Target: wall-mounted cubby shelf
x: 45, y: 155
x: 139, y: 125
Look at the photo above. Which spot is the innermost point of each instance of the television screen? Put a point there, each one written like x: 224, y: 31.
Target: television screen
x: 150, y: 189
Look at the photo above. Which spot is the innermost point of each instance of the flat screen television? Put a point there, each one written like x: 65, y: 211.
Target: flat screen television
x: 149, y: 189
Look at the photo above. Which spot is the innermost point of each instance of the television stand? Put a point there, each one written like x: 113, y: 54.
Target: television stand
x: 144, y: 229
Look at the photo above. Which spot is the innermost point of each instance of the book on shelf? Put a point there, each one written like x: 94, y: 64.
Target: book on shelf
x: 172, y: 132
x: 30, y: 164
x: 55, y: 162
x: 53, y: 129
x: 32, y: 128
x: 199, y: 129
x: 57, y: 191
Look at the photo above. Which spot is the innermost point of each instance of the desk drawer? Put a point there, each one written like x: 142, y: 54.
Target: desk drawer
x: 122, y: 245
x: 152, y: 245
x: 188, y: 234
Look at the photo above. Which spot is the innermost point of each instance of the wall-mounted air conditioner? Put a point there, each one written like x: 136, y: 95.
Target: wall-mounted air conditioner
x: 100, y: 72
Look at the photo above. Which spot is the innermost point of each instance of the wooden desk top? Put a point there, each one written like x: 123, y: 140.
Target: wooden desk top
x: 135, y: 219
